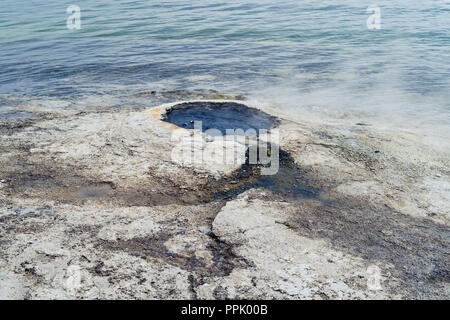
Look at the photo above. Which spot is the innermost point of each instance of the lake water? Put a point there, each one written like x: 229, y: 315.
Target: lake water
x: 300, y: 56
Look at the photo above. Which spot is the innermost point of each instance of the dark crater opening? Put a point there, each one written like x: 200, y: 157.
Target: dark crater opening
x: 220, y: 116
x: 286, y: 183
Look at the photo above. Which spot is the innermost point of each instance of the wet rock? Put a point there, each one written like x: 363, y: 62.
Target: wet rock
x: 291, y: 265
x: 101, y: 194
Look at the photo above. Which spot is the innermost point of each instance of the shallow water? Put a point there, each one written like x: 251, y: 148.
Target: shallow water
x: 308, y: 56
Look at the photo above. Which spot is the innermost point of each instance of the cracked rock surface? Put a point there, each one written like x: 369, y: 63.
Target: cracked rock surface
x: 94, y: 205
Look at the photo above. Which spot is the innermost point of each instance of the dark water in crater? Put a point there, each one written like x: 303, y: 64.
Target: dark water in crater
x: 218, y: 116
x: 286, y: 183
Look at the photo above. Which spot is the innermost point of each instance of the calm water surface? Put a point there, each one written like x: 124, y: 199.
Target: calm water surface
x: 296, y: 55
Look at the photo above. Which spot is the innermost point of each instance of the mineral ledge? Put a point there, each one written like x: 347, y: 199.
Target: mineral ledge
x: 92, y: 205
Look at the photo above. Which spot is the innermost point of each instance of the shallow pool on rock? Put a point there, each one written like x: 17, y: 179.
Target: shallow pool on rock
x: 286, y: 182
x: 220, y: 116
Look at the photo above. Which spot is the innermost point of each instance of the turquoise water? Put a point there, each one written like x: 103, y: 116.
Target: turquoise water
x: 291, y: 54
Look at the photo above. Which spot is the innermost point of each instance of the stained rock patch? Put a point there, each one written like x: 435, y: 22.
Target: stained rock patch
x: 101, y: 193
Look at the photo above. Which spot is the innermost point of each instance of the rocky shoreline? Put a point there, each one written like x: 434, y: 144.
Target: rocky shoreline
x: 99, y: 193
